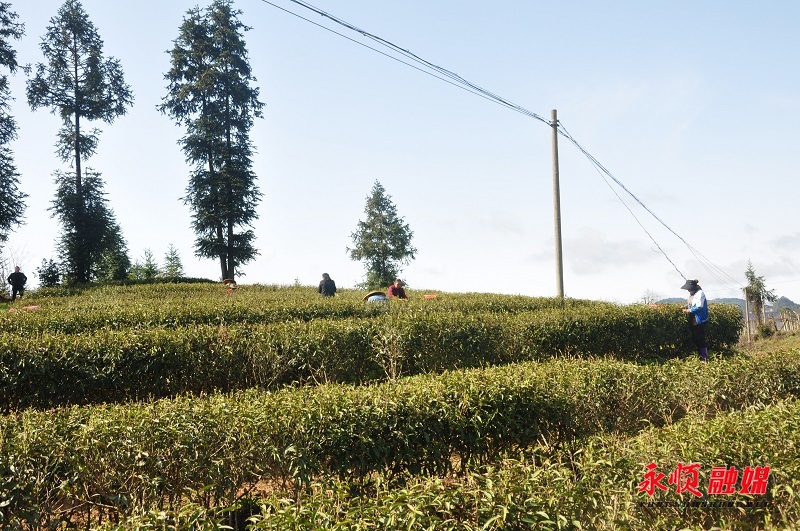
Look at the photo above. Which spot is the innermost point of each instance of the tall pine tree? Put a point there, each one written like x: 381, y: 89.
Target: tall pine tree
x: 12, y: 205
x: 78, y: 83
x: 210, y: 93
x: 382, y: 241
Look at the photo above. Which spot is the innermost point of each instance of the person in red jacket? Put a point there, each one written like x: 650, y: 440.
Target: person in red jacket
x: 396, y: 290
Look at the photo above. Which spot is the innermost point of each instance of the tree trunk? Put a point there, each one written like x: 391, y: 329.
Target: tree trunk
x: 228, y: 188
x: 82, y: 265
x: 231, y: 264
x: 222, y: 261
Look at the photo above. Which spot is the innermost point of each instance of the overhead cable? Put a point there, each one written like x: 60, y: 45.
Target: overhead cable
x: 454, y: 79
x: 714, y: 270
x: 379, y: 51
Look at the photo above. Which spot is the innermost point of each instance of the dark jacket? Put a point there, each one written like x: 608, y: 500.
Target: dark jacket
x: 17, y: 279
x: 327, y: 287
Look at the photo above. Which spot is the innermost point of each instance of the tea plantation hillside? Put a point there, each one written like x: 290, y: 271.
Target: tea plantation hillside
x: 182, y: 406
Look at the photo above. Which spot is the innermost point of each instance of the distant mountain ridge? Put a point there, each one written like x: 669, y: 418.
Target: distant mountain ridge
x: 783, y: 302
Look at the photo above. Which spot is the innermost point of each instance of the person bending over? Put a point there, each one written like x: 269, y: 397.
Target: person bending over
x: 396, y: 290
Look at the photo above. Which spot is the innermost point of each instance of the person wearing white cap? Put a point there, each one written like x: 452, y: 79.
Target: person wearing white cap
x: 697, y: 312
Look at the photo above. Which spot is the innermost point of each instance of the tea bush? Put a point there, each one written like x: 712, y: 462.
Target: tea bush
x: 594, y: 488
x: 79, y: 309
x: 131, y: 458
x: 472, y: 379
x: 46, y: 369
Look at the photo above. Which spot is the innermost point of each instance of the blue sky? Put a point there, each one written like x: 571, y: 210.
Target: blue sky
x: 694, y: 107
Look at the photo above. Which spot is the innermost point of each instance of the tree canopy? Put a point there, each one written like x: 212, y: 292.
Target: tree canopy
x: 382, y: 241
x: 173, y: 267
x: 77, y: 83
x: 91, y: 242
x: 757, y: 292
x: 209, y: 92
x: 12, y: 205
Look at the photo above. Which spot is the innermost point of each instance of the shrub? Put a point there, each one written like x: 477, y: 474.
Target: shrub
x: 765, y: 331
x: 48, y: 369
x: 140, y: 456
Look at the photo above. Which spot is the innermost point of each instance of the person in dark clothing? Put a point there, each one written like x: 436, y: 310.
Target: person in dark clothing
x: 17, y: 279
x: 327, y: 287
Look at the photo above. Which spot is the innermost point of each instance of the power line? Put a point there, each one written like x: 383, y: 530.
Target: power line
x: 714, y: 270
x: 376, y: 50
x: 562, y: 130
x: 454, y: 79
x: 407, y: 53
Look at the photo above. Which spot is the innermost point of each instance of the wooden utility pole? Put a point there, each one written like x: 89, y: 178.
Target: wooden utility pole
x: 747, y: 314
x: 557, y: 208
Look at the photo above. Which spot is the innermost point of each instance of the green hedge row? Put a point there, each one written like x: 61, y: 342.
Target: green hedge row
x: 128, y: 459
x: 50, y: 369
x: 596, y: 488
x: 178, y: 305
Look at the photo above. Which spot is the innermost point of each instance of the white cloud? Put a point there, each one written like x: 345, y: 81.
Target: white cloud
x: 591, y: 252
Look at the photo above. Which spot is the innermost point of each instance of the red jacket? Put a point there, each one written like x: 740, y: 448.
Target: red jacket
x: 400, y: 293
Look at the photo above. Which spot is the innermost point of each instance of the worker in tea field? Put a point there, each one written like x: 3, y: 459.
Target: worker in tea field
x: 697, y: 313
x: 396, y: 290
x: 17, y: 279
x: 375, y: 296
x: 327, y: 287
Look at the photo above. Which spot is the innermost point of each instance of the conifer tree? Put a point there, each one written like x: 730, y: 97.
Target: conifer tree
x: 78, y: 83
x: 150, y: 267
x: 89, y: 232
x: 115, y: 264
x: 146, y: 270
x: 757, y: 292
x: 382, y: 241
x: 210, y: 93
x: 49, y: 273
x: 173, y: 267
x: 12, y: 205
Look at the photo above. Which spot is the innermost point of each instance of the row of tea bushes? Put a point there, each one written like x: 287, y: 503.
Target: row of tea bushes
x: 50, y: 369
x: 177, y: 305
x: 128, y: 459
x: 595, y: 487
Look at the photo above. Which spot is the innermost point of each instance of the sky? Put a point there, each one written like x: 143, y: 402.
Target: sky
x: 694, y: 107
